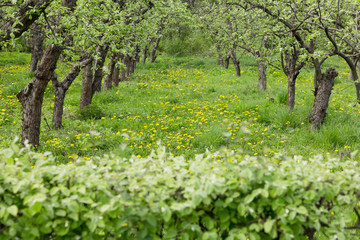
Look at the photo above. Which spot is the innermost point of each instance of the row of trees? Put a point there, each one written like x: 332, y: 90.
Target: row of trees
x: 84, y: 33
x: 288, y: 34
x: 295, y: 32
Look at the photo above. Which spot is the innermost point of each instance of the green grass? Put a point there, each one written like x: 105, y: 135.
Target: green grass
x: 186, y: 104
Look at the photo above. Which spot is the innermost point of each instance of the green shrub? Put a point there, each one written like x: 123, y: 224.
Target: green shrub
x: 91, y: 111
x: 165, y: 197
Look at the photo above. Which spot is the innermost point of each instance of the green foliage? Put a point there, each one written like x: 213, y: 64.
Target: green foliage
x: 213, y: 196
x: 190, y: 44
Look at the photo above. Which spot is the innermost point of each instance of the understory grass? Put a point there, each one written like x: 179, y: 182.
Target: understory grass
x: 189, y: 105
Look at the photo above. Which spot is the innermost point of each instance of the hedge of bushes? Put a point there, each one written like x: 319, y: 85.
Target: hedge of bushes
x: 164, y: 197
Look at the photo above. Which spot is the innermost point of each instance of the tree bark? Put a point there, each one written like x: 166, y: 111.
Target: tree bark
x: 291, y: 68
x: 261, y: 71
x: 291, y: 91
x: 321, y: 102
x: 132, y: 65
x: 153, y: 54
x: 86, y: 89
x: 317, y: 74
x: 61, y: 88
x: 236, y: 63
x: 37, y: 40
x: 124, y: 74
x: 227, y: 61
x: 31, y: 98
x: 111, y: 67
x: 145, y: 54
x: 262, y: 75
x: 116, y: 77
x: 354, y: 67
x: 99, y: 73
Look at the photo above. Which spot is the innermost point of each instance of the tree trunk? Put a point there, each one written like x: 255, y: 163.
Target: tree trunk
x: 262, y: 75
x: 291, y: 91
x: 132, y: 64
x: 111, y: 67
x: 355, y: 76
x: 86, y: 89
x: 99, y: 73
x: 31, y: 98
x: 321, y: 102
x: 261, y: 71
x: 291, y: 68
x: 115, y: 77
x: 37, y: 40
x: 317, y: 75
x: 153, y: 55
x: 128, y: 66
x: 125, y: 72
x: 236, y: 63
x: 227, y: 61
x: 145, y: 54
x: 61, y: 88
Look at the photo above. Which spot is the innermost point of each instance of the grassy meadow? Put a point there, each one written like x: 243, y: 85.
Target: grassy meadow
x: 189, y: 105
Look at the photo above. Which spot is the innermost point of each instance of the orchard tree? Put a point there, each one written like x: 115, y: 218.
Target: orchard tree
x: 85, y: 31
x: 339, y: 20
x: 295, y: 17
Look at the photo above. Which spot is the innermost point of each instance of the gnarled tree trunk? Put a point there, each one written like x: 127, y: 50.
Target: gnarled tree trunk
x: 291, y: 68
x: 86, y: 88
x: 124, y: 74
x: 111, y: 67
x: 37, y: 40
x: 236, y: 63
x: 227, y: 61
x: 61, y: 88
x: 261, y: 70
x: 116, y: 77
x: 291, y: 90
x: 354, y: 75
x: 153, y: 54
x: 317, y: 74
x: 321, y: 102
x: 31, y: 98
x: 99, y: 73
x: 145, y: 51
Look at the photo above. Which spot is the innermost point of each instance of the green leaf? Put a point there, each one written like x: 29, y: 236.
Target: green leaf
x: 151, y: 220
x: 46, y: 228
x: 268, y: 225
x: 170, y: 233
x: 13, y: 210
x: 61, y: 213
x: 36, y: 207
x: 167, y: 214
x: 104, y: 208
x: 241, y: 209
x: 208, y: 222
x: 302, y: 210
